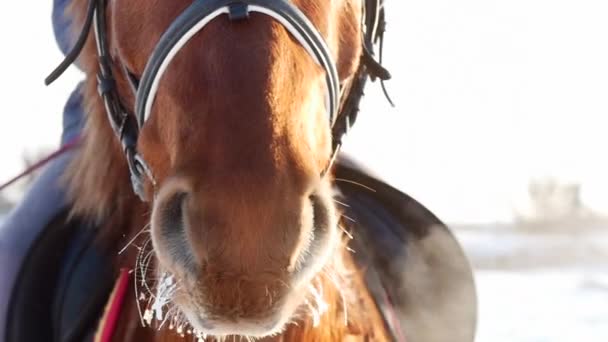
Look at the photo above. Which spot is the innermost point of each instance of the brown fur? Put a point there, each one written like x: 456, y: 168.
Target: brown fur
x: 253, y: 133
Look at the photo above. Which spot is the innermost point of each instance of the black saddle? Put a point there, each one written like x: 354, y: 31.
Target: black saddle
x: 415, y: 269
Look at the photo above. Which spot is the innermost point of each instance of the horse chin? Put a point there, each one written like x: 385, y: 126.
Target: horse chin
x: 258, y: 328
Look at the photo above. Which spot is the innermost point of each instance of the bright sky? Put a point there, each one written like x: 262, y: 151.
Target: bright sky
x: 489, y: 95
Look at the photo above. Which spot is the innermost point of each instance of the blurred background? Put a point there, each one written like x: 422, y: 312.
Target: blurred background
x: 499, y: 129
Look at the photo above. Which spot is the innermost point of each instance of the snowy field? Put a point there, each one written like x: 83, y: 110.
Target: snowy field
x: 540, y: 287
x: 556, y: 305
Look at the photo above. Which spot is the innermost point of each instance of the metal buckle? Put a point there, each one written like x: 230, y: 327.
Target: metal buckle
x: 138, y: 168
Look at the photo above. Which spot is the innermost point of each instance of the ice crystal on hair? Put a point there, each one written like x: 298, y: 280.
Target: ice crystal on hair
x: 164, y: 292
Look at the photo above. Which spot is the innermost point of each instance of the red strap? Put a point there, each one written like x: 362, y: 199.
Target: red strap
x: 112, y: 314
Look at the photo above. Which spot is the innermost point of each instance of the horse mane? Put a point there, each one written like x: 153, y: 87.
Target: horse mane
x: 100, y: 189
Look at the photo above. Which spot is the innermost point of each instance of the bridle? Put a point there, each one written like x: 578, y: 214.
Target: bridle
x: 342, y: 110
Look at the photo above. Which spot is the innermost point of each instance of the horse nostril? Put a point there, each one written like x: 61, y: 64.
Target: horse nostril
x: 171, y: 225
x: 172, y: 215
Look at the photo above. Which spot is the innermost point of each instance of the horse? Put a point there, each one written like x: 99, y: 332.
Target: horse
x: 210, y: 182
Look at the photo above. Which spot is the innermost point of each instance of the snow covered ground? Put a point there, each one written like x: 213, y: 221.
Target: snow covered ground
x: 540, y: 286
x: 556, y: 305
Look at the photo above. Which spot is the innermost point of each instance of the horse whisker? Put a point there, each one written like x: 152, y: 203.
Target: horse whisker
x: 166, y: 317
x: 340, y: 292
x: 144, y: 267
x: 355, y: 183
x: 341, y: 203
x: 348, y: 234
x: 348, y: 218
x: 141, y: 316
x: 316, y: 317
x: 144, y: 229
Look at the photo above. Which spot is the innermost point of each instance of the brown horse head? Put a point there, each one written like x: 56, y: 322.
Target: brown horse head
x: 237, y: 139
